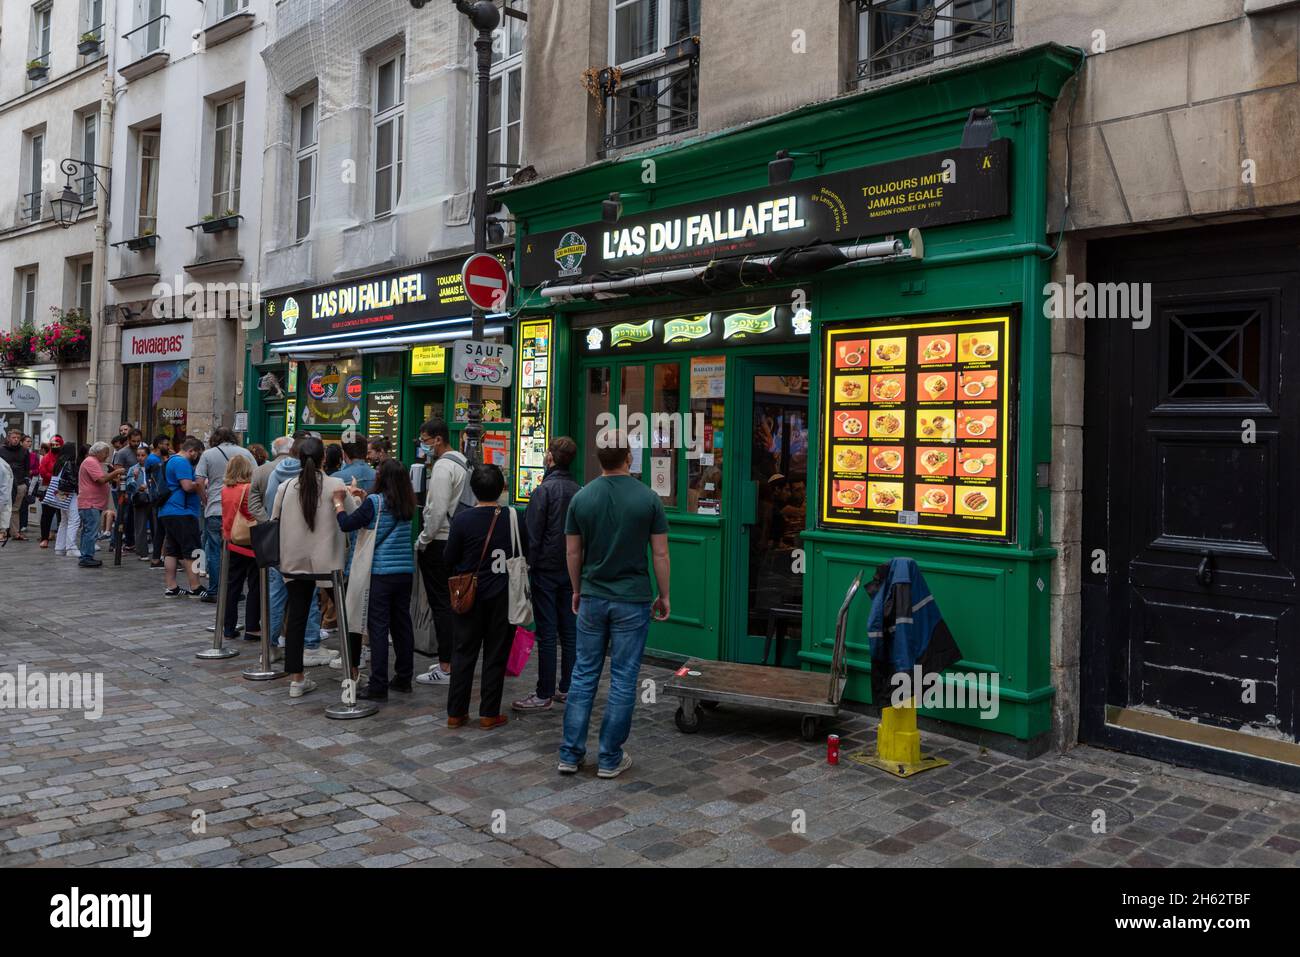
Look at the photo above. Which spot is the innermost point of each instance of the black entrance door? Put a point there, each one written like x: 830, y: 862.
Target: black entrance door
x: 1191, y: 494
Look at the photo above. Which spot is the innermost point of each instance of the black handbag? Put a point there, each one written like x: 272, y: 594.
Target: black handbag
x: 266, y: 543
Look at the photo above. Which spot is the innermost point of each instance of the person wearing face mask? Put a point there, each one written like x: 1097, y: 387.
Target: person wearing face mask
x: 447, y: 483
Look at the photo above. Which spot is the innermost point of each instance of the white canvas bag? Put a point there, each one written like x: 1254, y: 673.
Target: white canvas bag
x: 521, y: 595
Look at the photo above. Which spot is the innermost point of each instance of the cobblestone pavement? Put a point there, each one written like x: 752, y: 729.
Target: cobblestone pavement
x: 281, y: 785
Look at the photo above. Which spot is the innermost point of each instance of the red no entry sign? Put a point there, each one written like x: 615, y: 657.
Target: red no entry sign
x: 486, y: 283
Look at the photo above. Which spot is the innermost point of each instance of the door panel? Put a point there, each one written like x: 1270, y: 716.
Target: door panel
x: 1200, y: 503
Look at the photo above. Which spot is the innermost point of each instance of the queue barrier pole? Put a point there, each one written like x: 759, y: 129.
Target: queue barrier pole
x: 218, y: 632
x: 348, y: 708
x: 264, y: 671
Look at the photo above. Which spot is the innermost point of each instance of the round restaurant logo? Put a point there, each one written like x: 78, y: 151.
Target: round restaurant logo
x: 316, y: 386
x: 570, y: 253
x: 354, y: 388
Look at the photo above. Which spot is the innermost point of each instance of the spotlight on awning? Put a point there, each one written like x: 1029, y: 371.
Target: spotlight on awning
x: 611, y: 209
x: 981, y: 129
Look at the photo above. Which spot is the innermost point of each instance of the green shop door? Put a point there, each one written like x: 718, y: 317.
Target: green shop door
x: 770, y: 487
x: 424, y: 403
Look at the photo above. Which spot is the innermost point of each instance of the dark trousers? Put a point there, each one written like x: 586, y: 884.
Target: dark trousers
x: 487, y: 626
x: 240, y: 569
x: 297, y: 607
x: 48, y: 515
x: 556, y: 625
x: 434, y: 571
x: 142, y: 519
x: 155, y: 524
x: 388, y: 611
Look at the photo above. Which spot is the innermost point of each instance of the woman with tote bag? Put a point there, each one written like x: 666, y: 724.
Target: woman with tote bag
x: 480, y: 598
x: 311, y: 549
x: 379, y: 586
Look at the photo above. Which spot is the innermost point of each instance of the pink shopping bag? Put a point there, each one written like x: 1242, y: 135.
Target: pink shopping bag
x: 519, y: 651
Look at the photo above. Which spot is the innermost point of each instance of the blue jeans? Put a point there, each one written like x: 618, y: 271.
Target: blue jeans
x: 279, y: 598
x: 90, y: 518
x: 556, y: 624
x: 212, y: 551
x: 621, y: 628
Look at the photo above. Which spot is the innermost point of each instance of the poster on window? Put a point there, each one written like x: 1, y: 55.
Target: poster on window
x: 533, y: 405
x: 917, y: 431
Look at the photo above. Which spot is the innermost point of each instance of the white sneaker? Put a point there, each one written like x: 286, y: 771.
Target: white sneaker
x: 337, y: 662
x: 299, y: 688
x: 74, y: 553
x: 434, y: 676
x: 60, y: 551
x: 328, y: 634
x: 315, y: 657
x: 277, y: 653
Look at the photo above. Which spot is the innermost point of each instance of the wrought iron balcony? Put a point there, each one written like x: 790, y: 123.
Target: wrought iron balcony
x: 655, y: 100
x: 899, y: 35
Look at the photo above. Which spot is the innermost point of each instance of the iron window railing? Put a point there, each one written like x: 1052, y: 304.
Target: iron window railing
x: 32, y: 206
x: 149, y: 37
x: 651, y: 101
x: 899, y: 35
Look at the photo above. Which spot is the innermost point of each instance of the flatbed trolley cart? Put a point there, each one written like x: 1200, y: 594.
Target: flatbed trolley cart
x: 704, y: 685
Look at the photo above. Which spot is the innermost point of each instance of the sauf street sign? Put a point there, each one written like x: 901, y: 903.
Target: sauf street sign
x: 482, y: 363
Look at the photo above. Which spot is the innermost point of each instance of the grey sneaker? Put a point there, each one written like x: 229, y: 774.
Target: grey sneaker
x: 568, y: 767
x: 299, y: 688
x: 615, y: 772
x: 531, y: 703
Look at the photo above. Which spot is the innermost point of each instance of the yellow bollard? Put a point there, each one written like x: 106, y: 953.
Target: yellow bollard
x: 897, y: 740
x: 898, y: 744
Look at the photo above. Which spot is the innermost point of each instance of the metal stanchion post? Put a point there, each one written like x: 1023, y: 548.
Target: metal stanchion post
x: 264, y: 671
x: 348, y: 708
x: 217, y: 651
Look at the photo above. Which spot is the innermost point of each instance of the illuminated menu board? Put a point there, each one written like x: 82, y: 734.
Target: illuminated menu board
x: 533, y: 404
x: 917, y: 426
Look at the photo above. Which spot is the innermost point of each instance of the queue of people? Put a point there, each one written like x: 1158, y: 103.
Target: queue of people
x: 350, y: 509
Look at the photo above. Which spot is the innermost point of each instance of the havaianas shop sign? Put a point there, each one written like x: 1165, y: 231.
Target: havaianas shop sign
x: 951, y: 186
x: 710, y: 329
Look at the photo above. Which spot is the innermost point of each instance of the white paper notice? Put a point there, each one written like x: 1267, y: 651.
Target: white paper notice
x: 661, y: 475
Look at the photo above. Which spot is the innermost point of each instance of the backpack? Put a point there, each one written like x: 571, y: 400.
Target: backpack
x: 159, y: 490
x: 467, y: 499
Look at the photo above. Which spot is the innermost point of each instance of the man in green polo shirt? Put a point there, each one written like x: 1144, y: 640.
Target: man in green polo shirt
x: 610, y: 523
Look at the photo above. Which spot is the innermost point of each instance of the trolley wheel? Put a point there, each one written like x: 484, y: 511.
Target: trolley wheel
x: 688, y: 721
x: 810, y: 727
x: 709, y: 705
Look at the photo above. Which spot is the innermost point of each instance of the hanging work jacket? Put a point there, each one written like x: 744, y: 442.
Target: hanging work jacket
x: 905, y: 628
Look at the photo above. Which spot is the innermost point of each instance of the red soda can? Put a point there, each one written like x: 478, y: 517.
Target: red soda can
x: 833, y: 749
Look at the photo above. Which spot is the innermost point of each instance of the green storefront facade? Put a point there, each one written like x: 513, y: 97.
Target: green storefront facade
x: 757, y: 544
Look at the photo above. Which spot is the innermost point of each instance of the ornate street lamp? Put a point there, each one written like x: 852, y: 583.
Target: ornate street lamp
x: 67, y: 207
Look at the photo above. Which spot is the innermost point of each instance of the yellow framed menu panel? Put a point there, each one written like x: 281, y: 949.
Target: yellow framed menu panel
x: 533, y: 397
x: 918, y: 427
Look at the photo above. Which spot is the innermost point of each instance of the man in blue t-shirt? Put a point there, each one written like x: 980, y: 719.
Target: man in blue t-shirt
x: 180, y: 516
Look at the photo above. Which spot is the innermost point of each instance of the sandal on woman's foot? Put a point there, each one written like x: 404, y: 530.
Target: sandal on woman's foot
x: 45, y: 543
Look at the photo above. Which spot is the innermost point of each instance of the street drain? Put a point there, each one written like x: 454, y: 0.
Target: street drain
x: 1081, y: 809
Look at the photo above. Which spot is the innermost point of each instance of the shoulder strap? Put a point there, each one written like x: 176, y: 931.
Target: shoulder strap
x: 515, y: 551
x: 487, y: 540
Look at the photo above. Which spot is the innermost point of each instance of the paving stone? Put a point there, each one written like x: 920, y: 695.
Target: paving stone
x: 280, y: 787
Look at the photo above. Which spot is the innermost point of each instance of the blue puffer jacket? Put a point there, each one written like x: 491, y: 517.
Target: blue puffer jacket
x: 905, y: 627
x: 393, y: 552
